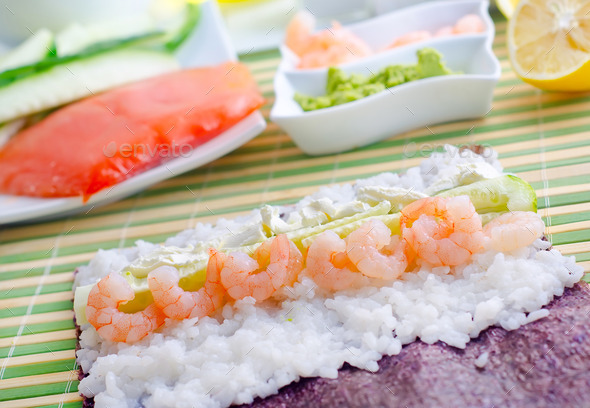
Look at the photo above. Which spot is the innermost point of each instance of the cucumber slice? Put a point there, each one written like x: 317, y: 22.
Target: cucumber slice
x: 80, y: 301
x: 391, y: 220
x: 76, y: 38
x: 500, y: 194
x: 38, y: 47
x: 191, y: 19
x: 16, y: 74
x: 77, y: 42
x: 299, y: 235
x: 68, y: 82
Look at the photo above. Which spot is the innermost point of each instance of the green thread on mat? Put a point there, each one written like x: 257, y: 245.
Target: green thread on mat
x: 31, y: 391
x: 39, y: 348
x: 40, y: 368
x: 38, y: 328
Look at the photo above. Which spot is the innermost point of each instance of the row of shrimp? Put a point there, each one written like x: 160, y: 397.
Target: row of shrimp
x: 435, y: 231
x: 337, y: 45
x: 277, y: 262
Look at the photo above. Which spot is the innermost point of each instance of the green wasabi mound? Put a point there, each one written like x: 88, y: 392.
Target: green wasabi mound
x: 343, y: 88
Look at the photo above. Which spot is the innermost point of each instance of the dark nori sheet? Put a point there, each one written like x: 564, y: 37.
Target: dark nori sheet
x: 545, y: 363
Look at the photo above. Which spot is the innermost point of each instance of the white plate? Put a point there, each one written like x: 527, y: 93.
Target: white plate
x: 404, y: 107
x: 208, y: 45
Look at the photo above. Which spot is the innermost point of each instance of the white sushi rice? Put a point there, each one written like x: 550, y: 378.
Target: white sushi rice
x: 257, y: 349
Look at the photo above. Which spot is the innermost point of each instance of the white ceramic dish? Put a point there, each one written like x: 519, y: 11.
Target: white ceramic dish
x: 402, y: 108
x: 208, y: 44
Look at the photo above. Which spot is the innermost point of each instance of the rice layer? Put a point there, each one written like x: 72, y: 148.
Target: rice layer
x: 256, y: 349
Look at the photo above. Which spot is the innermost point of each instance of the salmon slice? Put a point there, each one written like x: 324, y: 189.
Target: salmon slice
x: 102, y: 140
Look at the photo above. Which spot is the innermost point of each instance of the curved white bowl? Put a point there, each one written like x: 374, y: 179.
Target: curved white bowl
x: 401, y: 108
x: 395, y: 110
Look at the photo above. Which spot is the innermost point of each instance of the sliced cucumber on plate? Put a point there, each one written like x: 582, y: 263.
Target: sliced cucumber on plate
x: 48, y: 71
x: 38, y: 47
x: 192, y: 15
x: 65, y: 83
x: 77, y: 38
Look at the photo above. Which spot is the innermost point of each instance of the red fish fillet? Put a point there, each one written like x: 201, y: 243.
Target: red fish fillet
x: 102, y: 140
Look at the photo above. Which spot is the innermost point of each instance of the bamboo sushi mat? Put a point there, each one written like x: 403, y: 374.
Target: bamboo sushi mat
x: 542, y: 137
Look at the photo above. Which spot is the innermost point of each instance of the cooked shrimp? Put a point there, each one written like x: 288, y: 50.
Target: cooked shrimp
x: 442, y: 231
x: 102, y: 311
x: 443, y: 31
x: 514, y: 230
x: 295, y: 265
x: 325, y: 48
x: 375, y: 252
x: 329, y: 265
x: 411, y: 37
x: 334, y: 55
x: 261, y: 275
x: 471, y: 23
x: 179, y: 304
x: 298, y: 32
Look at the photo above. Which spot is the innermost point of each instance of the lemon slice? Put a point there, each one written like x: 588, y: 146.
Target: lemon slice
x: 549, y: 43
x: 507, y: 7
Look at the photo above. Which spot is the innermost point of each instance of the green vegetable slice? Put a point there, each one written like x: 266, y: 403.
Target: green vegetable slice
x: 65, y: 83
x: 38, y: 54
x: 16, y: 74
x: 191, y: 19
x: 501, y: 194
x: 36, y: 48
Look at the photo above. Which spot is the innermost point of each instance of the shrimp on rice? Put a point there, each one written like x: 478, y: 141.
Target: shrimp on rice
x: 275, y: 263
x: 102, y: 311
x: 514, y: 230
x: 442, y: 231
x: 329, y: 265
x: 177, y: 303
x: 375, y: 252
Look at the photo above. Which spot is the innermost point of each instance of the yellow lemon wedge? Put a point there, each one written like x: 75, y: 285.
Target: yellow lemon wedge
x: 549, y: 43
x: 507, y: 7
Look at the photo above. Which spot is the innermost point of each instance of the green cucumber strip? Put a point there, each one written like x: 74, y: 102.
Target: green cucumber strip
x: 16, y: 74
x: 76, y: 38
x: 191, y: 19
x: 65, y: 83
x: 391, y: 220
x: 36, y: 48
x: 501, y: 194
x: 299, y: 235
